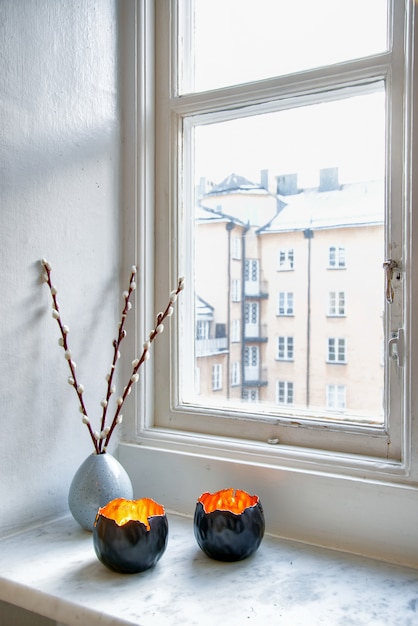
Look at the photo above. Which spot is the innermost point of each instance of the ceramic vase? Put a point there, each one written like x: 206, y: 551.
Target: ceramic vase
x: 99, y: 479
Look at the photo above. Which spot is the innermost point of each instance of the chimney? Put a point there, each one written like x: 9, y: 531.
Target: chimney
x: 264, y: 179
x: 287, y: 184
x: 328, y: 179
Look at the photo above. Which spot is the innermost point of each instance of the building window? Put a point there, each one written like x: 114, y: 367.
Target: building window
x: 336, y: 257
x: 236, y: 290
x: 236, y: 248
x: 202, y: 329
x: 336, y: 350
x: 250, y: 395
x: 216, y: 377
x: 285, y: 303
x: 251, y: 356
x: 336, y: 397
x: 252, y: 319
x: 286, y: 259
x: 252, y: 277
x: 251, y: 313
x: 235, y: 331
x: 235, y: 373
x: 284, y: 392
x: 251, y: 270
x: 336, y: 303
x: 285, y: 348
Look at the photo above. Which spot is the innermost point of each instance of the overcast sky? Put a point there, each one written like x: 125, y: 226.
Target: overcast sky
x: 242, y: 40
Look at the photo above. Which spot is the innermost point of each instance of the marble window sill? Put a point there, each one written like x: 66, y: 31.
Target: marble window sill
x: 53, y: 571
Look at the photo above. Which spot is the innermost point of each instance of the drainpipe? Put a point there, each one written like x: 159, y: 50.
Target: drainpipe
x: 229, y: 228
x: 244, y: 257
x: 308, y: 234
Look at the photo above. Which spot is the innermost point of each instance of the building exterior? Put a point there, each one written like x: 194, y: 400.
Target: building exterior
x: 289, y: 289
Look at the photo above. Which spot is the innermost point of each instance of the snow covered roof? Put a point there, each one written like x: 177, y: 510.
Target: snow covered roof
x: 236, y: 184
x: 204, y: 310
x: 357, y: 204
x: 207, y: 215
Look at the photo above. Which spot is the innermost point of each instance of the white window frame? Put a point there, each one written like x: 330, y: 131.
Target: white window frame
x: 337, y: 257
x: 285, y: 303
x: 285, y: 392
x: 251, y: 356
x: 250, y: 395
x: 235, y: 331
x: 236, y: 290
x: 286, y: 260
x: 235, y: 373
x: 182, y: 112
x: 285, y: 348
x: 236, y: 246
x: 377, y: 485
x: 336, y: 304
x: 336, y: 397
x: 216, y: 376
x: 203, y: 329
x: 336, y: 350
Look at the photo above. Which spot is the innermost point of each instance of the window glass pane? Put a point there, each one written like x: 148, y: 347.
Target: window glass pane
x: 237, y: 41
x: 305, y: 184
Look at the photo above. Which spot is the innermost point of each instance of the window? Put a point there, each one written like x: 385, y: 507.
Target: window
x: 235, y: 373
x: 235, y: 330
x: 251, y: 319
x: 216, y: 377
x: 285, y: 303
x: 250, y: 395
x: 251, y: 270
x: 336, y: 350
x: 336, y: 397
x: 325, y: 182
x: 286, y: 259
x: 284, y: 392
x: 336, y: 303
x: 252, y: 281
x: 236, y: 290
x: 336, y: 257
x: 251, y: 356
x: 285, y: 348
x: 202, y: 329
x: 236, y: 248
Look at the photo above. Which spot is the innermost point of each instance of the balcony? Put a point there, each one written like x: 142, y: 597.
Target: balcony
x: 256, y: 289
x: 208, y: 347
x: 255, y: 333
x: 255, y: 376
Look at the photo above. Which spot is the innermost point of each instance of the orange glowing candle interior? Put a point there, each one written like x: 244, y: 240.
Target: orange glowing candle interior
x: 234, y: 500
x: 122, y: 511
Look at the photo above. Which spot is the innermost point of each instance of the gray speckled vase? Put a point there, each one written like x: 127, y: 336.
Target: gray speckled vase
x: 99, y: 479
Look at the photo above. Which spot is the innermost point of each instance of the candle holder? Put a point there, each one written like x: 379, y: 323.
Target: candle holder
x: 228, y: 524
x: 130, y: 536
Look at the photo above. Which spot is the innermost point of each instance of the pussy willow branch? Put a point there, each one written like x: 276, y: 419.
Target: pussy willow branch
x: 157, y: 330
x: 79, y: 389
x: 101, y: 439
x: 116, y: 354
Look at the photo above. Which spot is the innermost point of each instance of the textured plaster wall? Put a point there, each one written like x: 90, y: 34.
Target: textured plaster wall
x: 60, y: 198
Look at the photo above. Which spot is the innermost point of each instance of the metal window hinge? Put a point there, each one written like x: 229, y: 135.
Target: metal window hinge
x: 396, y: 346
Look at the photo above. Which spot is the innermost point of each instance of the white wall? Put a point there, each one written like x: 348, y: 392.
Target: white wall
x: 59, y: 198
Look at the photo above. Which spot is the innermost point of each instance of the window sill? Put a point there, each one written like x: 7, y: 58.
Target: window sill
x: 53, y: 571
x: 313, y: 502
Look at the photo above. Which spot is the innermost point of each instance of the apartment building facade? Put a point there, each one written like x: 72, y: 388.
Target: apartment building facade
x: 289, y: 296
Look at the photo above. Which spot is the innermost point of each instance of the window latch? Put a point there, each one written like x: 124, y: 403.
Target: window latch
x: 396, y: 346
x: 390, y: 266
